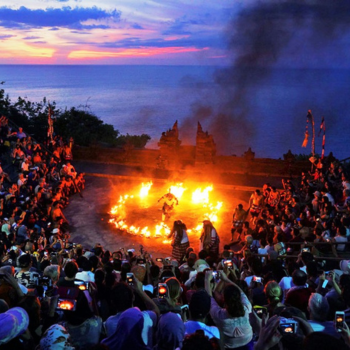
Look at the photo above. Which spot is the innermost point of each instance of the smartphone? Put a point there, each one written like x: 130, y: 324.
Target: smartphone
x: 257, y: 279
x: 46, y: 253
x: 162, y: 290
x: 159, y: 259
x: 64, y: 304
x: 260, y: 310
x: 228, y: 263
x: 141, y: 261
x: 339, y: 320
x: 306, y: 250
x: 130, y: 278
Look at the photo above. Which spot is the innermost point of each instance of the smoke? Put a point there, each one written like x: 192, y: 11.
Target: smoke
x: 261, y: 38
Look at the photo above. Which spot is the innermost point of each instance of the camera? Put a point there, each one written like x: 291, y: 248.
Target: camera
x: 162, y: 290
x: 339, y: 320
x: 66, y: 304
x: 159, y: 259
x: 288, y: 326
x: 130, y: 278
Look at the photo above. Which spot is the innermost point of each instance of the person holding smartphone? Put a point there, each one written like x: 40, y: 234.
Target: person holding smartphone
x: 233, y: 319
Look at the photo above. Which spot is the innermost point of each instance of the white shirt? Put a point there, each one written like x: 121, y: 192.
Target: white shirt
x: 209, y: 331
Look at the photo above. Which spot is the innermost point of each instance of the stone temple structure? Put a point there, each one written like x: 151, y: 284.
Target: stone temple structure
x: 205, y: 146
x: 169, y: 144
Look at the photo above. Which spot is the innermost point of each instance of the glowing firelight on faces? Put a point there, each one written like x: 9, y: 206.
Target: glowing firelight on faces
x: 200, y: 197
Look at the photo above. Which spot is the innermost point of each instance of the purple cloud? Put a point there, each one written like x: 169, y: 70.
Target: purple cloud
x: 198, y: 42
x: 31, y: 37
x: 3, y: 37
x: 64, y: 17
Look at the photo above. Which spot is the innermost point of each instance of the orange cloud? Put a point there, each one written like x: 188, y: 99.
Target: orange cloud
x: 143, y: 52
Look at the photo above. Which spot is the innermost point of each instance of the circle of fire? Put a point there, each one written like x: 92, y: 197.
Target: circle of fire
x: 200, y: 198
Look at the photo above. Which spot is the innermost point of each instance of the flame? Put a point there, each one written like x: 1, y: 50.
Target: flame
x: 177, y: 190
x: 145, y: 189
x: 201, y: 196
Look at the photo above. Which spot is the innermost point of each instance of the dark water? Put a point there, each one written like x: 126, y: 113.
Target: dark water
x: 148, y: 99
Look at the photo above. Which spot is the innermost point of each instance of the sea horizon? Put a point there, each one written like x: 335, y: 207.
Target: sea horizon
x: 269, y: 115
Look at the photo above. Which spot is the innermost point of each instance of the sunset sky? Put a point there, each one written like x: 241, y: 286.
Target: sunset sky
x: 170, y: 31
x: 113, y: 32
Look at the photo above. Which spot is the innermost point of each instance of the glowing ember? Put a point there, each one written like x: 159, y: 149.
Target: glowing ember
x: 145, y: 189
x: 177, y: 190
x: 200, y: 196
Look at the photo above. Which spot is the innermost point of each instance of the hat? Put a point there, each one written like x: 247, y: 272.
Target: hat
x: 55, y: 337
x: 345, y: 266
x: 88, y: 254
x: 317, y: 193
x: 200, y: 304
x: 6, y: 219
x: 14, y: 322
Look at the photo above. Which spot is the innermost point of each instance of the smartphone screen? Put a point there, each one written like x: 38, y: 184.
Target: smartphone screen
x: 339, y: 320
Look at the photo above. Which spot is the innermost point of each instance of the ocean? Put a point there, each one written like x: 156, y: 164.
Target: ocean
x: 262, y: 109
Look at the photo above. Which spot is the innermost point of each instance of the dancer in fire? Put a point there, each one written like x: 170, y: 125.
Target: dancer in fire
x: 180, y: 241
x: 239, y: 216
x: 209, y: 239
x: 256, y: 203
x: 169, y: 201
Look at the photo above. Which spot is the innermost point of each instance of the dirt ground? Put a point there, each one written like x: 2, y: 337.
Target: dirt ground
x: 89, y: 216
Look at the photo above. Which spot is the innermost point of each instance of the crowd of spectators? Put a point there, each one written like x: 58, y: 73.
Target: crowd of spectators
x: 55, y: 294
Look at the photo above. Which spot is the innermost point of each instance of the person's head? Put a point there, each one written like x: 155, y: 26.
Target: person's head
x: 174, y: 288
x: 14, y: 322
x: 71, y: 269
x: 199, y: 305
x: 322, y: 341
x: 25, y: 261
x: 56, y: 335
x: 299, y: 277
x: 249, y: 239
x: 33, y: 307
x: 273, y: 292
x: 311, y: 268
x: 202, y: 254
x: 197, y: 340
x: 318, y: 307
x: 53, y: 272
x: 122, y: 297
x: 233, y: 304
x: 170, y: 332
